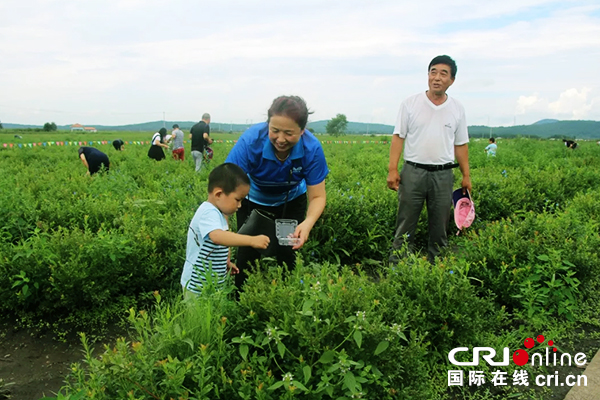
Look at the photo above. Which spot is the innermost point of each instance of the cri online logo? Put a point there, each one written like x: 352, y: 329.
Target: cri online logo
x: 520, y: 356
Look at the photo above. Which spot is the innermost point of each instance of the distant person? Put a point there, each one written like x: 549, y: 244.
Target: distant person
x: 208, y: 236
x: 491, y: 148
x: 570, y: 144
x: 118, y: 144
x: 431, y: 130
x: 158, y: 143
x: 200, y: 135
x: 93, y: 159
x: 177, y: 139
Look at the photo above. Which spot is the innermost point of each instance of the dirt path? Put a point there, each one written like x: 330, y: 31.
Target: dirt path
x: 37, y: 365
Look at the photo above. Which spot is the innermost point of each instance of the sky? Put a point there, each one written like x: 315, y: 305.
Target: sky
x: 115, y: 62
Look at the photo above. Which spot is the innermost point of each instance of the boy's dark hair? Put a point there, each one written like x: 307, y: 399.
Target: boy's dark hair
x: 227, y: 177
x: 447, y: 60
x: 492, y: 140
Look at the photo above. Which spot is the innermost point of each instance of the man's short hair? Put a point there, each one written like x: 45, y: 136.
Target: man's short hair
x: 175, y: 126
x: 206, y: 116
x: 227, y: 177
x: 446, y: 60
x: 493, y: 140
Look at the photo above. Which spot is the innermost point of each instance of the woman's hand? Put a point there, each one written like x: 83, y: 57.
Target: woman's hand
x: 302, y: 231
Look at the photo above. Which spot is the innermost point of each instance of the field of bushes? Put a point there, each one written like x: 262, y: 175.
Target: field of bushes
x: 77, y: 252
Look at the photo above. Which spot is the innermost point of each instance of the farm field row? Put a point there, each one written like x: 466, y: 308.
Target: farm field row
x: 77, y: 251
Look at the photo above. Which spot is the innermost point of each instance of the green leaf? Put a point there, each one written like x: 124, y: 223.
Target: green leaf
x: 543, y: 257
x: 281, y: 348
x: 357, y: 337
x: 402, y: 335
x: 381, y: 347
x: 190, y: 342
x: 307, y: 373
x: 334, y: 367
x: 112, y: 257
x: 327, y: 357
x: 276, y: 385
x: 349, y: 381
x: 244, y: 351
x: 299, y: 386
x: 307, y: 305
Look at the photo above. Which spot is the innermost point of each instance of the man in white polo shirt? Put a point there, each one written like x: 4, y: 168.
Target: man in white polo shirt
x: 432, y: 130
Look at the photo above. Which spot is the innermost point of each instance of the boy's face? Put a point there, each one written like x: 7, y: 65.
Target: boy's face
x: 228, y: 204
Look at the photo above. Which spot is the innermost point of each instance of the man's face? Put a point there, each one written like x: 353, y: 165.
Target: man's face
x: 440, y: 79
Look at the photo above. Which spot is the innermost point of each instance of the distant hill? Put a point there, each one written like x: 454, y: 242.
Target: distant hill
x: 316, y: 126
x: 546, y: 128
x: 353, y: 128
x: 558, y: 129
x: 545, y: 121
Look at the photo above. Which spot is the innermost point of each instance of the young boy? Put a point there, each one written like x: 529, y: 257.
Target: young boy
x: 491, y: 148
x: 208, y: 238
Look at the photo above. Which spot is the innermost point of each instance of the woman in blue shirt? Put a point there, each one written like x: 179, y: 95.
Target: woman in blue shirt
x: 287, y: 169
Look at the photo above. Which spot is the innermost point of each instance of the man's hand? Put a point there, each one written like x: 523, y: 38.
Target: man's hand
x: 466, y: 184
x: 393, y: 179
x: 260, y: 242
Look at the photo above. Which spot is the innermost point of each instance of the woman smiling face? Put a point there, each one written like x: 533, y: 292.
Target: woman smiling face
x: 284, y: 133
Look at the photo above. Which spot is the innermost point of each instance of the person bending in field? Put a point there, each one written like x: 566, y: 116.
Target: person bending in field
x: 491, y: 148
x: 570, y: 144
x: 118, y: 144
x: 209, y: 238
x: 93, y: 159
x: 158, y: 143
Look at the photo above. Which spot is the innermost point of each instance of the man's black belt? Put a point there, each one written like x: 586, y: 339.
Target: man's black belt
x: 433, y: 167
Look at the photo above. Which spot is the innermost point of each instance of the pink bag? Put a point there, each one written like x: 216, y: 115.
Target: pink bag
x: 464, y: 209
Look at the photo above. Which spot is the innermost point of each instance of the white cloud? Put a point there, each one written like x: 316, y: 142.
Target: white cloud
x: 572, y: 101
x: 112, y: 59
x: 572, y: 104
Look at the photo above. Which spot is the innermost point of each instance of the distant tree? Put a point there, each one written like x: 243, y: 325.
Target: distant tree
x: 337, y: 126
x: 49, y: 127
x: 1, y: 127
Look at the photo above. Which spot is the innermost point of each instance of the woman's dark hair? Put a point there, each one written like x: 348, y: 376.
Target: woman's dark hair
x: 162, y: 132
x: 446, y: 60
x: 228, y: 177
x: 293, y: 107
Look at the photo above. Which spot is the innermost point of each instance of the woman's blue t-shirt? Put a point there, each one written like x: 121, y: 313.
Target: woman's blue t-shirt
x: 270, y: 178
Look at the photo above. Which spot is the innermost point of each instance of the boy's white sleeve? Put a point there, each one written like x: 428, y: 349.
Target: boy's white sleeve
x: 211, y: 220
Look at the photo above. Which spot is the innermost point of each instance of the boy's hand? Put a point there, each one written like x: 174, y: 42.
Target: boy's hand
x: 260, y: 242
x: 232, y: 268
